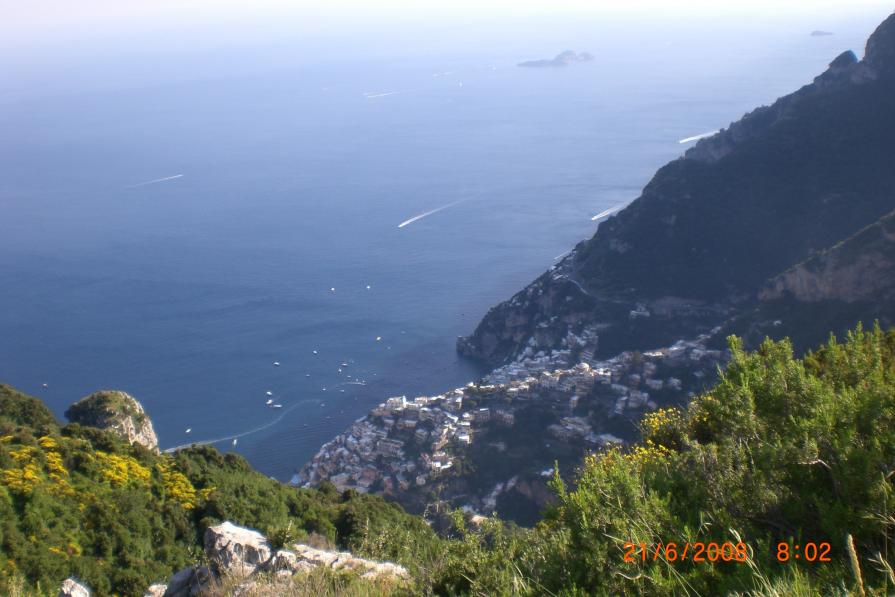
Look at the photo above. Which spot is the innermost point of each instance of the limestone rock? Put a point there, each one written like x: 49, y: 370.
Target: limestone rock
x: 72, y: 588
x: 242, y: 553
x: 345, y: 561
x: 236, y: 550
x: 115, y: 411
x: 156, y: 590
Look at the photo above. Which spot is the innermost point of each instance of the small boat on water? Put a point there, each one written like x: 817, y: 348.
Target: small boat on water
x: 188, y: 429
x: 276, y: 406
x: 269, y: 402
x: 269, y: 393
x: 276, y: 363
x: 235, y: 440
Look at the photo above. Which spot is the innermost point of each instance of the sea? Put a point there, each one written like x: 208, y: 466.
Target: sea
x: 180, y: 210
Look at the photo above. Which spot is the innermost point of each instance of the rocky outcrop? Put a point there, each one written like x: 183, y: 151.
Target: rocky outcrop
x: 117, y: 412
x: 711, y: 228
x: 858, y: 269
x: 850, y: 282
x: 236, y: 552
x: 157, y: 590
x: 72, y: 588
x: 880, y: 51
x: 240, y: 551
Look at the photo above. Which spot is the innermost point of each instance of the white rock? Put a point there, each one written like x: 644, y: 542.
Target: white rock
x: 156, y: 590
x: 72, y: 588
x: 344, y: 560
x: 236, y: 550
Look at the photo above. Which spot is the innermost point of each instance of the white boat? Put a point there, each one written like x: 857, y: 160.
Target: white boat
x: 276, y: 406
x: 234, y: 441
x: 276, y: 363
x: 188, y: 429
x: 269, y: 401
x: 269, y: 393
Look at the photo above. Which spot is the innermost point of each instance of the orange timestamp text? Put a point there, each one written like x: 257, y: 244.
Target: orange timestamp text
x: 725, y: 551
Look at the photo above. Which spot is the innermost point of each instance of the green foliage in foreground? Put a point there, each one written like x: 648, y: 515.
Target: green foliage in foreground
x: 79, y: 501
x: 782, y: 449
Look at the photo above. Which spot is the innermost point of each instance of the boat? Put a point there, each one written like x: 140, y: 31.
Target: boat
x: 269, y: 393
x: 269, y: 401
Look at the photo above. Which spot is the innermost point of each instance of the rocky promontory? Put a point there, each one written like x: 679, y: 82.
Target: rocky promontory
x: 115, y: 411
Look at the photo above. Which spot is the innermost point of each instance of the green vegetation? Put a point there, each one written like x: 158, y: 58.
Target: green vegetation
x: 80, y: 501
x: 780, y: 450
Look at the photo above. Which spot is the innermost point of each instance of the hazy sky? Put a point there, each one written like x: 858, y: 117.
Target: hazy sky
x: 32, y: 17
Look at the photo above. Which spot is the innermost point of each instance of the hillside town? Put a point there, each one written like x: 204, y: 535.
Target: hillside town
x: 405, y: 446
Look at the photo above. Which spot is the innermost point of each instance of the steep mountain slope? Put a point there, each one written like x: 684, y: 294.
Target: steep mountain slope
x: 784, y: 182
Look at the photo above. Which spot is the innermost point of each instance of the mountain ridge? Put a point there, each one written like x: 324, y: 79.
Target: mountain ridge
x: 773, y: 188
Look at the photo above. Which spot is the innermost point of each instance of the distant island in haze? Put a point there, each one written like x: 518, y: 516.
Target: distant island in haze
x: 819, y: 33
x: 562, y: 59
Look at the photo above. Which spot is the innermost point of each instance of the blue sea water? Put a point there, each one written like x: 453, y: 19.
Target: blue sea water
x: 289, y: 176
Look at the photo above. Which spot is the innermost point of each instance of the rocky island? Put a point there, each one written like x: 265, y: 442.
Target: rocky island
x: 562, y: 59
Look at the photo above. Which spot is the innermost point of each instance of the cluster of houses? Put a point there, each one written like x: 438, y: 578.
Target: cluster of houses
x: 410, y: 443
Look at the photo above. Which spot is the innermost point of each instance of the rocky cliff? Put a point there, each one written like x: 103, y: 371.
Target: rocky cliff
x: 118, y: 412
x: 853, y: 281
x: 857, y: 269
x: 768, y: 192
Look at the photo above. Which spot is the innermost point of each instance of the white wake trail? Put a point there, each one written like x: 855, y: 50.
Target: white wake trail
x: 218, y: 440
x: 429, y: 213
x: 373, y: 94
x: 607, y: 212
x: 143, y: 184
x: 697, y: 137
